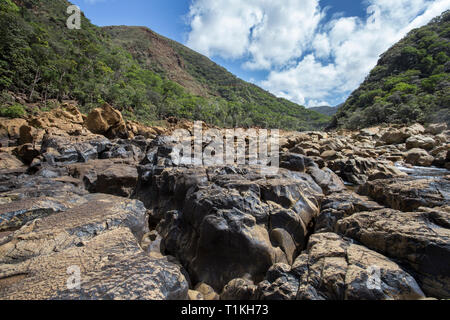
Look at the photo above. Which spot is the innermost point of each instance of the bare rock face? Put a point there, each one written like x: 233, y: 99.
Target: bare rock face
x: 112, y: 266
x: 99, y: 235
x: 418, y: 240
x: 408, y: 194
x: 220, y: 221
x: 108, y: 122
x: 334, y: 268
x: 8, y: 161
x: 116, y: 177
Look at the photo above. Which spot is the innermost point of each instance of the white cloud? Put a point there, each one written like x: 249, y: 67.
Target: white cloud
x: 310, y: 60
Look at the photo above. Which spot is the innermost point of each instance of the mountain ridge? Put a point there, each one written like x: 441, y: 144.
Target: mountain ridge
x: 46, y: 63
x: 411, y: 82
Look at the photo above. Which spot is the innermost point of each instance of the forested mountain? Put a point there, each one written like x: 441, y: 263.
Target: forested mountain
x: 325, y: 110
x: 141, y: 73
x: 410, y: 83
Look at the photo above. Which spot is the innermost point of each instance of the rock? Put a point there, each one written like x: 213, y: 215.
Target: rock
x: 420, y: 142
x: 112, y: 267
x: 60, y: 149
x: 27, y: 153
x: 419, y: 157
x: 408, y: 194
x: 394, y: 136
x: 108, y: 122
x: 239, y: 289
x: 418, y: 240
x: 329, y: 155
x: 8, y: 161
x: 337, y: 206
x: 333, y: 268
x: 10, y: 128
x: 195, y: 295
x: 207, y: 292
x: 436, y: 128
x: 215, y: 220
x: 118, y: 180
x: 359, y: 170
x: 27, y: 134
x: 97, y: 214
x: 326, y: 179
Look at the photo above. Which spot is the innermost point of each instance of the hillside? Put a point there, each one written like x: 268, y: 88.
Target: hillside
x: 410, y: 83
x: 144, y: 75
x: 326, y: 110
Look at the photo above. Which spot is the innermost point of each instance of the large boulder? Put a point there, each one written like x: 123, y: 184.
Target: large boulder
x: 420, y: 142
x: 116, y: 177
x: 108, y: 122
x: 419, y: 157
x: 418, y: 240
x: 225, y: 223
x: 334, y: 268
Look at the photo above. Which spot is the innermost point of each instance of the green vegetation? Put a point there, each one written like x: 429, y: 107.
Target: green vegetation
x: 14, y: 111
x: 44, y: 60
x: 410, y: 83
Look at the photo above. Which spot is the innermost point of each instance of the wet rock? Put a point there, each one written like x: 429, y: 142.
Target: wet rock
x: 418, y: 240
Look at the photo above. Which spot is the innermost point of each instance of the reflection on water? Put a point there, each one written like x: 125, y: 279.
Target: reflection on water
x: 423, y: 172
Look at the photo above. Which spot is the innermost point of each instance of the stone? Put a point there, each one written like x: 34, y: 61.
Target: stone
x: 329, y: 155
x: 418, y: 240
x: 96, y: 214
x: 8, y: 161
x: 107, y: 121
x: 420, y: 142
x: 436, y: 128
x: 334, y: 268
x: 27, y: 153
x: 207, y: 292
x: 419, y: 157
x: 112, y: 267
x: 408, y: 194
x: 394, y: 136
x: 239, y: 289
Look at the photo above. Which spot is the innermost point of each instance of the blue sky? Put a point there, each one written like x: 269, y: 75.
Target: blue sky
x: 313, y: 52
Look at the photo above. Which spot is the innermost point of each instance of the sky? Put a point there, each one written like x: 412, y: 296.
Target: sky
x: 312, y: 52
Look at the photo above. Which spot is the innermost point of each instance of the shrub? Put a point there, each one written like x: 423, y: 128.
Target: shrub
x: 14, y: 111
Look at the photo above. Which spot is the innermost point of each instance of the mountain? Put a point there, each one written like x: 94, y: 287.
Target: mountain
x: 325, y: 110
x: 410, y: 82
x: 144, y: 75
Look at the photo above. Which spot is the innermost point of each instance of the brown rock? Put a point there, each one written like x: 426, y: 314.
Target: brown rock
x: 107, y: 121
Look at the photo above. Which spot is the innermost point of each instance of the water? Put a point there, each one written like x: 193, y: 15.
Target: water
x: 423, y: 172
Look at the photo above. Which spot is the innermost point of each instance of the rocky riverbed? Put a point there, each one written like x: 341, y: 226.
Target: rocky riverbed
x: 349, y: 215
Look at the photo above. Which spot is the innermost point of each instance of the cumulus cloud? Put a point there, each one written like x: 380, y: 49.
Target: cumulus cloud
x: 310, y: 57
